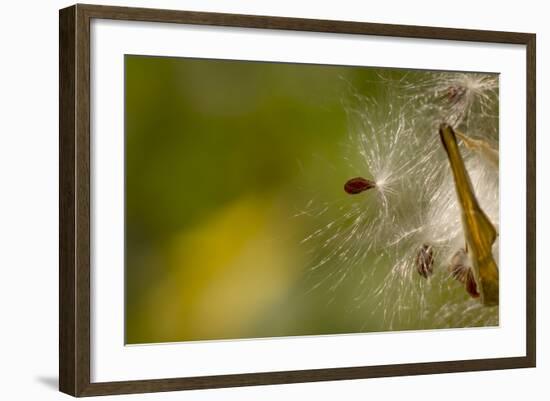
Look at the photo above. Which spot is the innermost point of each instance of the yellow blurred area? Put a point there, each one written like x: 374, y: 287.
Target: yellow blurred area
x: 225, y: 272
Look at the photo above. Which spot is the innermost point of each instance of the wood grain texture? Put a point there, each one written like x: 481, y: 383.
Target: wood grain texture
x: 531, y: 228
x: 67, y: 296
x: 301, y: 376
x: 74, y: 199
x: 74, y: 175
x: 301, y: 24
x: 82, y: 200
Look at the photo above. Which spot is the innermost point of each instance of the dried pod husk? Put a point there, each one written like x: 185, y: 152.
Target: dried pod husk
x: 425, y: 261
x: 357, y: 185
x: 479, y: 232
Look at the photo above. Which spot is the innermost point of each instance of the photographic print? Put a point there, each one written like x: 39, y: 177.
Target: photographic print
x: 268, y: 199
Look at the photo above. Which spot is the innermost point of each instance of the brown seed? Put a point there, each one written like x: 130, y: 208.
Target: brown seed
x: 425, y: 261
x: 357, y: 185
x: 455, y: 93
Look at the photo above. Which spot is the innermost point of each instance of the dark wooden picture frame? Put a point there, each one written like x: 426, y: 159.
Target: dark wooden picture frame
x: 74, y: 176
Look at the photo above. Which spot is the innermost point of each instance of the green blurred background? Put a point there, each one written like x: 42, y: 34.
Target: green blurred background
x: 220, y: 157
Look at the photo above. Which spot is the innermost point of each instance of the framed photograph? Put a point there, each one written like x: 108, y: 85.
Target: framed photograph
x: 250, y: 200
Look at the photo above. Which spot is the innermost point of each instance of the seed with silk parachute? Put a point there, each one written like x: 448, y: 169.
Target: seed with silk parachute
x: 461, y: 271
x: 357, y: 185
x: 425, y: 261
